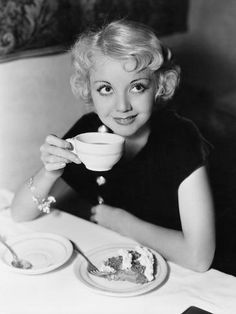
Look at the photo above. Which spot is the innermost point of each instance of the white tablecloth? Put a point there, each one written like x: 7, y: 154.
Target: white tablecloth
x: 61, y: 292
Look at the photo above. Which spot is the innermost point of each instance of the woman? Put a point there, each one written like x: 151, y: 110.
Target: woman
x: 158, y: 193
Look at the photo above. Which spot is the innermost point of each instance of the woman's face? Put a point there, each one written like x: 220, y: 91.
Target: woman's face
x: 123, y: 98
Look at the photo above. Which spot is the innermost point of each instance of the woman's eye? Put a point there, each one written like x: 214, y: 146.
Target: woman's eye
x: 138, y: 88
x: 104, y: 90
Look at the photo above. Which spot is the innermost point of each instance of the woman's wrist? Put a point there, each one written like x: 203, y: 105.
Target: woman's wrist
x: 126, y: 223
x: 40, y: 186
x: 43, y: 204
x: 51, y: 175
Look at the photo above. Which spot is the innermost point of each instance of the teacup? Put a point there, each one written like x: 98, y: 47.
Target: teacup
x: 98, y: 151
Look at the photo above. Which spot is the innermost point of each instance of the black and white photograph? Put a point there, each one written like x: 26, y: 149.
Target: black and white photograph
x: 117, y: 157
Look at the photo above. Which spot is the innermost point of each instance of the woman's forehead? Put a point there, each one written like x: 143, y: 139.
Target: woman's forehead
x: 102, y: 62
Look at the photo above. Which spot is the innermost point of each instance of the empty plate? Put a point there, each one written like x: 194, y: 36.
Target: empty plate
x: 45, y: 251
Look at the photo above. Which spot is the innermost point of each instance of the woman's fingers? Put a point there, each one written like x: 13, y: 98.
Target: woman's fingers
x: 56, y: 147
x: 93, y: 219
x: 56, y: 153
x: 93, y: 214
x: 54, y: 159
x: 57, y: 141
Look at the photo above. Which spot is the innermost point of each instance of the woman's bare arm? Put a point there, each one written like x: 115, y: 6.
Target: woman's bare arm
x: 55, y: 154
x: 23, y: 207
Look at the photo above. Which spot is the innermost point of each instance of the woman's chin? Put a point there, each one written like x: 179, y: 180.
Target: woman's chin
x: 125, y: 132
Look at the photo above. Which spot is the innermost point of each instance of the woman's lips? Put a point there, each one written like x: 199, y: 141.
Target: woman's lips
x: 125, y: 121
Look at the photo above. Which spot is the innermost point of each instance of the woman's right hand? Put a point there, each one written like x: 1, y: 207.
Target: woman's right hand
x: 56, y: 153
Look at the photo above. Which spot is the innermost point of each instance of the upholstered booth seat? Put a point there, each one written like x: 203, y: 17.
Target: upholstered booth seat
x: 35, y: 100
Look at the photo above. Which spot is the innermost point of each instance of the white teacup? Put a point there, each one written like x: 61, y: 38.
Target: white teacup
x: 98, y: 151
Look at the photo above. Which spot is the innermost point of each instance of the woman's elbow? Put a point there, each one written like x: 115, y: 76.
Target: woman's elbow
x: 201, y: 262
x: 202, y: 266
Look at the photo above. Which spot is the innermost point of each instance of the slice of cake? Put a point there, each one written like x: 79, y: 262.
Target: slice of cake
x: 135, y: 265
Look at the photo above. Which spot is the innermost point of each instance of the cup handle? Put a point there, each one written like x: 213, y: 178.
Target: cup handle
x: 72, y: 141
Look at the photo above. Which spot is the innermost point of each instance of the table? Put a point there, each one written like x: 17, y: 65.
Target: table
x: 61, y: 292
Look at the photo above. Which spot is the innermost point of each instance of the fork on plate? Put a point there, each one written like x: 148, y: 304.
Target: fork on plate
x: 92, y: 269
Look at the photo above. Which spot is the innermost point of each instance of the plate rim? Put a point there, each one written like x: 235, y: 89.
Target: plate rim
x: 34, y: 235
x: 143, y: 289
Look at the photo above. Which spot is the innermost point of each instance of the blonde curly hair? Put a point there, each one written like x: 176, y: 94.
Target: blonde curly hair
x: 123, y: 40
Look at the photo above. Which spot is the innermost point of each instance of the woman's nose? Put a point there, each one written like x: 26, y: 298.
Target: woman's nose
x: 123, y: 104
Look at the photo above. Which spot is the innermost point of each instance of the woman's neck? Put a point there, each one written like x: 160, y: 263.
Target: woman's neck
x: 134, y: 143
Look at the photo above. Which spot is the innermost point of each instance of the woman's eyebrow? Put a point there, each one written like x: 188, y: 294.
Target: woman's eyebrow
x: 105, y: 82
x: 141, y: 78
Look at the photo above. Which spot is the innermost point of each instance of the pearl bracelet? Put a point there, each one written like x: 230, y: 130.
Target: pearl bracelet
x: 43, y: 204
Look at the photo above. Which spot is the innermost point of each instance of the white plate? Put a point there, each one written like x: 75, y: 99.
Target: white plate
x: 46, y: 252
x: 116, y: 288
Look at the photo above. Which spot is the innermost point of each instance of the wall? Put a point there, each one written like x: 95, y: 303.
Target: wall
x: 207, y: 52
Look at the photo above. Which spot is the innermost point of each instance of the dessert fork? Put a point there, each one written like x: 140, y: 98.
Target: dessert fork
x: 92, y: 269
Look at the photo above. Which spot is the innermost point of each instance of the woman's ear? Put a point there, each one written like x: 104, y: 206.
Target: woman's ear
x: 170, y: 82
